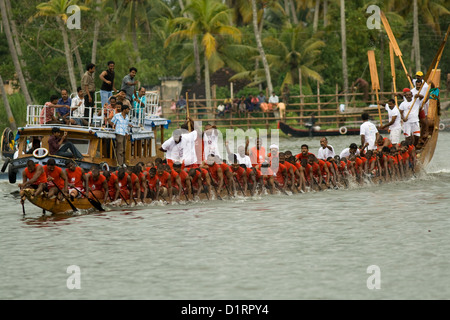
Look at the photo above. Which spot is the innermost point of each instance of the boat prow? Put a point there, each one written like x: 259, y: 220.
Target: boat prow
x: 55, y: 205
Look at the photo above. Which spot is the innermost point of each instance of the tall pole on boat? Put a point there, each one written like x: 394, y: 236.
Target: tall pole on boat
x: 391, y: 54
x: 395, y: 46
x: 187, y: 112
x: 11, y: 120
x: 432, y: 69
x: 374, y: 78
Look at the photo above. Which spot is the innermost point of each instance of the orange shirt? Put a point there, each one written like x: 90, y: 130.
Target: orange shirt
x: 112, y: 184
x: 163, y: 179
x: 152, y: 182
x: 123, y: 183
x: 75, y: 177
x: 257, y: 156
x: 56, y: 175
x: 97, y: 184
x: 42, y: 178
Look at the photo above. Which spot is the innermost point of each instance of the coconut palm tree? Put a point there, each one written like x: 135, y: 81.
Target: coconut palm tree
x: 295, y: 51
x: 344, y: 49
x: 14, y: 54
x: 58, y: 9
x: 209, y: 20
x: 261, y: 48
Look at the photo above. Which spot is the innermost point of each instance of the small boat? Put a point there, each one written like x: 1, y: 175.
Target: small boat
x: 316, y: 132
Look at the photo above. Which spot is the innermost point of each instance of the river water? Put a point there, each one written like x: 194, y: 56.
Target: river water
x: 389, y: 241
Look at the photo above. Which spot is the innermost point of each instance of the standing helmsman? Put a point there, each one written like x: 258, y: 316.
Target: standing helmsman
x: 368, y: 132
x: 121, y: 123
x: 394, y: 124
x: 325, y: 150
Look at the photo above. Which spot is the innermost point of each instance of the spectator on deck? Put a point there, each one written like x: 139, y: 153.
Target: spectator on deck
x: 47, y: 114
x: 64, y: 112
x: 129, y: 84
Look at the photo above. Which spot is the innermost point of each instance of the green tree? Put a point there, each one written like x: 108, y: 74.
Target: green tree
x: 296, y: 50
x: 209, y: 20
x: 58, y: 10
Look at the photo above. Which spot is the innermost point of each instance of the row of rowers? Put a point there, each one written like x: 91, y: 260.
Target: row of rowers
x: 215, y: 178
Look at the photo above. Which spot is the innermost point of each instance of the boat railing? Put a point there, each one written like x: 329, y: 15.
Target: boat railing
x: 96, y: 117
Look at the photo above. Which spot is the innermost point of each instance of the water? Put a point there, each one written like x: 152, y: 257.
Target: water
x: 305, y: 246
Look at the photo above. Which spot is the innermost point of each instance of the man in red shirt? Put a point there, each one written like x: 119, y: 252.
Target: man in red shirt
x: 113, y: 185
x: 97, y: 185
x: 55, y: 177
x: 304, y: 153
x: 152, y: 190
x: 33, y: 177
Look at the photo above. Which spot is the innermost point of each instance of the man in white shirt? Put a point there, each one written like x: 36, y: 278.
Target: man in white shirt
x: 368, y: 132
x: 241, y: 157
x: 353, y: 149
x: 210, y: 141
x: 325, y: 150
x: 411, y: 125
x: 77, y: 109
x: 180, y: 147
x: 394, y: 124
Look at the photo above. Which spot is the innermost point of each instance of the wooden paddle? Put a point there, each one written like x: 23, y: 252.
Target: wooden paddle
x: 239, y: 184
x: 215, y: 188
x: 67, y: 199
x: 188, y: 116
x: 395, y: 46
x: 374, y: 79
x: 96, y: 204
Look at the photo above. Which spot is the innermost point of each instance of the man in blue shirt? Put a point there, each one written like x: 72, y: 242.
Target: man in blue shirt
x: 139, y: 102
x: 121, y: 122
x: 63, y: 112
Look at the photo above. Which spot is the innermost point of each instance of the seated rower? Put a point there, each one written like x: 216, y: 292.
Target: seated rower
x: 184, y: 180
x: 97, y: 187
x: 268, y: 178
x: 153, y: 185
x: 200, y: 181
x: 113, y: 185
x: 124, y: 182
x: 165, y: 187
x: 56, y: 178
x: 33, y: 177
x: 239, y: 174
x: 76, y: 179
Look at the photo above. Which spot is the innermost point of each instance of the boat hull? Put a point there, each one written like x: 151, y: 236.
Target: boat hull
x: 55, y: 205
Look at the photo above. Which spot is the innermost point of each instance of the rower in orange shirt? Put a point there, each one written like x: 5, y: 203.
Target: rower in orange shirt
x: 55, y: 177
x: 76, y: 179
x: 97, y: 184
x: 33, y: 177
